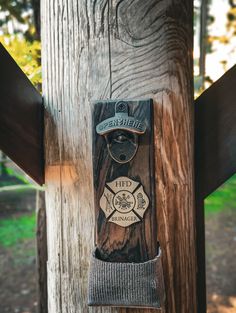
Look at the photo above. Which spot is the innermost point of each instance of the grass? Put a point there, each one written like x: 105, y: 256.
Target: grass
x: 12, y: 173
x: 224, y: 197
x: 21, y: 178
x: 17, y: 229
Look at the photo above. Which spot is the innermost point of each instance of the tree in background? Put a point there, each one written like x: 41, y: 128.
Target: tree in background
x: 231, y: 25
x: 20, y: 25
x: 201, y: 22
x: 232, y: 3
x: 27, y: 54
x: 23, y: 15
x: 211, y: 44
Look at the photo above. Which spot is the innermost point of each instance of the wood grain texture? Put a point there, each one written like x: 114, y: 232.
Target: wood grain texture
x: 117, y: 49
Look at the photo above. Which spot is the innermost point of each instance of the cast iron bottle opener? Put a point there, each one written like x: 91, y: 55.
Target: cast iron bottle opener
x: 123, y: 161
x: 121, y: 133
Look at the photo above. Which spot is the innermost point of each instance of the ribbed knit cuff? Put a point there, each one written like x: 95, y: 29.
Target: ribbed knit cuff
x: 126, y: 284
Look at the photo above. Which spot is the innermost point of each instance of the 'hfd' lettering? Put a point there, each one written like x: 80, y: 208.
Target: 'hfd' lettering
x: 123, y: 184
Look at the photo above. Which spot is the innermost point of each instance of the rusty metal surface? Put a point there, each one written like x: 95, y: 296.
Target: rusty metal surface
x: 215, y: 134
x: 21, y: 118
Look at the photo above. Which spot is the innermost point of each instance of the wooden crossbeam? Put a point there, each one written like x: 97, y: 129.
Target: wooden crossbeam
x: 215, y: 134
x: 215, y: 156
x: 21, y: 118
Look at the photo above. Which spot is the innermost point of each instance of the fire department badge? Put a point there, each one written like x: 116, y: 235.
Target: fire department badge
x: 124, y: 201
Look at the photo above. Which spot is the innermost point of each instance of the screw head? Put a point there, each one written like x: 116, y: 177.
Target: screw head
x: 121, y: 107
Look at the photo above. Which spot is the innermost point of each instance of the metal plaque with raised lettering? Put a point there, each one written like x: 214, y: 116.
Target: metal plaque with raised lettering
x: 124, y: 201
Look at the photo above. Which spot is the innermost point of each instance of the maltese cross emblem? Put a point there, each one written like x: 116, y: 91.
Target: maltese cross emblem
x: 124, y: 201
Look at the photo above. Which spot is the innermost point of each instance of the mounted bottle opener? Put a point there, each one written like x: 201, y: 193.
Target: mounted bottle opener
x: 121, y: 133
x: 125, y: 212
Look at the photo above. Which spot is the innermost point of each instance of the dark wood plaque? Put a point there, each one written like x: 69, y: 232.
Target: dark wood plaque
x: 126, y: 229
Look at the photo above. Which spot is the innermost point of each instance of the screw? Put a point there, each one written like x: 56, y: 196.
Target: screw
x: 121, y: 106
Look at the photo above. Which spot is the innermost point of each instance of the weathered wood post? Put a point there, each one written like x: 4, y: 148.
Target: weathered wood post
x: 117, y: 49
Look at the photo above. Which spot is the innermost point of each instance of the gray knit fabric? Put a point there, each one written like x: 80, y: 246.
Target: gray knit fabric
x: 126, y: 284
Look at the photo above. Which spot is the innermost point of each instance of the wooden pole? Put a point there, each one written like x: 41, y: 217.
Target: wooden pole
x: 41, y: 252
x: 116, y: 49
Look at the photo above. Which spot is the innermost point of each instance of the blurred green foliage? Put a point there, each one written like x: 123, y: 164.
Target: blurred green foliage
x: 223, y: 197
x: 15, y: 230
x: 14, y: 9
x: 20, y: 16
x: 11, y: 173
x: 27, y: 55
